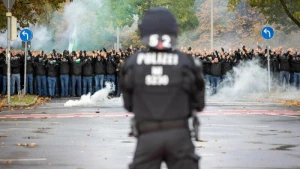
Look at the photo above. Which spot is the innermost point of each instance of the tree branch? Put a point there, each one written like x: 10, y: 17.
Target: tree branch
x: 289, y: 13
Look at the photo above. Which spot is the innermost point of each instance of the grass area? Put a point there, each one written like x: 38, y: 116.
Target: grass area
x: 27, y: 99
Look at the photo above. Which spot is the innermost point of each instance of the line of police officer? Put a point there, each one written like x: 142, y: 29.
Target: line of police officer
x: 63, y: 74
x: 217, y: 65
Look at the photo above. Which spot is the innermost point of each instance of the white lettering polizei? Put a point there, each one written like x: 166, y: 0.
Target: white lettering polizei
x: 140, y: 58
x: 157, y: 58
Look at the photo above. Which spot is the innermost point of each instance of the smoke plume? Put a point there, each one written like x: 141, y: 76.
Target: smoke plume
x: 250, y: 80
x: 97, y: 99
x: 42, y: 39
x: 89, y: 18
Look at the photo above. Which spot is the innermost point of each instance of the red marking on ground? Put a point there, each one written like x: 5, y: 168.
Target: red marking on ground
x: 122, y: 114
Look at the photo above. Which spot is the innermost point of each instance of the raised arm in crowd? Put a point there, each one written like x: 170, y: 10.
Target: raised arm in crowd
x: 64, y: 74
x: 218, y: 64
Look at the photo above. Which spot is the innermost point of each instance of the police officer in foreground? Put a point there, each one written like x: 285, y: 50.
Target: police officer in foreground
x: 162, y: 87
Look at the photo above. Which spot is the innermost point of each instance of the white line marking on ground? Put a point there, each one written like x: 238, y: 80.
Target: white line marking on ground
x: 232, y: 134
x: 131, y: 157
x: 284, y: 115
x: 231, y: 125
x: 57, y: 107
x: 34, y: 159
x: 206, y: 154
x: 29, y: 122
x: 20, y: 129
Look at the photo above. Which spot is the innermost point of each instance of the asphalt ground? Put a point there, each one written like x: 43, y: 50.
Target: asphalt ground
x: 239, y: 134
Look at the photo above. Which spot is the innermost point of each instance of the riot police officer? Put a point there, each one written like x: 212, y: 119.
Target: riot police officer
x: 162, y: 87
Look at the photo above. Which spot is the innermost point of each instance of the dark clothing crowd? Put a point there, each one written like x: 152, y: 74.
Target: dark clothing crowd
x: 62, y: 74
x: 218, y: 65
x: 77, y: 73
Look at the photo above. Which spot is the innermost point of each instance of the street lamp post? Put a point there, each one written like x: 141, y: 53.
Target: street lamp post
x: 212, y: 24
x: 118, y: 39
x: 8, y: 4
x: 9, y: 15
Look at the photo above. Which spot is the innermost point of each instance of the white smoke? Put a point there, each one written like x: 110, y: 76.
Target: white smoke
x: 97, y: 99
x: 247, y: 77
x: 3, y: 40
x: 87, y: 16
x: 250, y: 81
x: 73, y: 15
x: 42, y: 39
x: 82, y: 15
x: 14, y: 44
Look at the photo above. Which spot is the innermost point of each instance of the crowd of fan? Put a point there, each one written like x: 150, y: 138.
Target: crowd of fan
x: 73, y: 74
x: 63, y: 74
x: 218, y: 65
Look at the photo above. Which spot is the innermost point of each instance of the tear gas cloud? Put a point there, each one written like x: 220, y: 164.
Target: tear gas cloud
x: 3, y: 41
x: 97, y: 99
x: 250, y: 80
x: 81, y: 23
x: 247, y: 77
x: 42, y: 39
x: 87, y: 17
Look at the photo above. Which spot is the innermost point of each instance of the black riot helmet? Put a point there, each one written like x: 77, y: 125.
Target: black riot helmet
x: 159, y: 29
